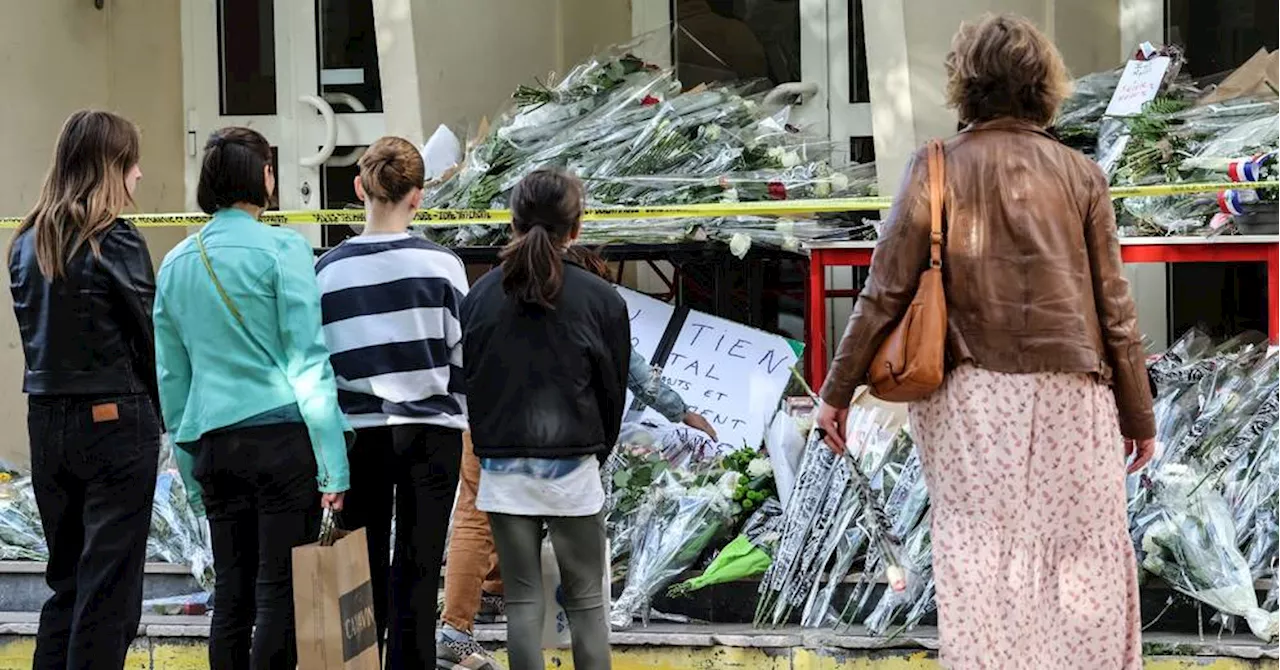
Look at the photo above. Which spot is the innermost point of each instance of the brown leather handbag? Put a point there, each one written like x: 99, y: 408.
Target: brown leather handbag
x: 910, y: 364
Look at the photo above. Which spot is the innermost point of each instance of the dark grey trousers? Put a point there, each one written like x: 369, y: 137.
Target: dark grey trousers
x: 579, y: 545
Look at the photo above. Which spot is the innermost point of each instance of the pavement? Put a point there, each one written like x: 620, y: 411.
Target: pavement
x: 178, y: 643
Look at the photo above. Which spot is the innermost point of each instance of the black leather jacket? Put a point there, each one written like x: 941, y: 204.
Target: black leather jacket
x: 89, y: 333
x: 545, y: 383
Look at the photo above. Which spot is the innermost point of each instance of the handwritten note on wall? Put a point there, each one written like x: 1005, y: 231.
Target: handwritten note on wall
x: 730, y: 373
x: 1139, y: 84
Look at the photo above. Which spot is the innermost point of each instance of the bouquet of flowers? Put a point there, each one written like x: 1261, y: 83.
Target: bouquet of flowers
x: 21, y: 536
x: 917, y: 600
x: 177, y: 536
x: 832, y: 511
x: 638, y: 139
x: 748, y: 555
x: 755, y: 485
x: 1192, y: 546
x: 675, y: 524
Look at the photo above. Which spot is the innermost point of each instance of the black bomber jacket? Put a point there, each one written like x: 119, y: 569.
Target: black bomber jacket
x: 545, y: 383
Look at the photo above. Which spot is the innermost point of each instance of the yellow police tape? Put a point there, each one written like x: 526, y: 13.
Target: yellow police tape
x: 452, y: 217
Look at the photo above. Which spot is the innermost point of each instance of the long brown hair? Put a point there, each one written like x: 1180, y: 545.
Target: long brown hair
x: 546, y: 211
x: 390, y: 168
x: 84, y: 191
x: 590, y: 260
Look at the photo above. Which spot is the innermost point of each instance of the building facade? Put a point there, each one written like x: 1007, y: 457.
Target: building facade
x: 322, y: 78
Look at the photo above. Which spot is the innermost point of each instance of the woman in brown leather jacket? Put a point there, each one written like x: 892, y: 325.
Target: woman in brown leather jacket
x: 1024, y: 444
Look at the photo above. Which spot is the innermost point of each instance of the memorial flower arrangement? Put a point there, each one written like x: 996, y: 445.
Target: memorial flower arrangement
x: 639, y: 138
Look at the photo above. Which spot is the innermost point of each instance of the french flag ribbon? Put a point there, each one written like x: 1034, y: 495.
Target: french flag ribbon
x: 1231, y: 202
x: 1249, y: 169
x: 1243, y: 169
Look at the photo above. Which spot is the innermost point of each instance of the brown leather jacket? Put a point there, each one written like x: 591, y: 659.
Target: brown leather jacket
x: 1032, y: 271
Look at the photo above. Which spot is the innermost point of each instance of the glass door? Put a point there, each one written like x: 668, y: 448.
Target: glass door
x: 304, y: 73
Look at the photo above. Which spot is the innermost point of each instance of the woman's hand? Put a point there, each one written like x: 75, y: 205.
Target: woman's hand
x: 695, y: 420
x: 831, y: 421
x: 1141, y: 451
x: 332, y: 501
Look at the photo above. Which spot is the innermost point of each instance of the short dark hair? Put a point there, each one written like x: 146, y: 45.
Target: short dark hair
x: 1004, y: 67
x: 232, y: 171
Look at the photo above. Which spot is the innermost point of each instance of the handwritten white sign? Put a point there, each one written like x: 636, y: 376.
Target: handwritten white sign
x: 732, y: 374
x: 649, y: 319
x: 1139, y: 84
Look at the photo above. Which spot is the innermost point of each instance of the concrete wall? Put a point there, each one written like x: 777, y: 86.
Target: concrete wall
x: 64, y: 55
x: 905, y: 64
x: 467, y: 57
x: 444, y: 62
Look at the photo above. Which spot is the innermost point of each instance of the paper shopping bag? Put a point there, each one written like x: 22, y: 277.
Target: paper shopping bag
x: 555, y: 624
x: 333, y: 601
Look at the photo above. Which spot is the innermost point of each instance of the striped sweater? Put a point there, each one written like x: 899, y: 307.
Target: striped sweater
x: 390, y: 309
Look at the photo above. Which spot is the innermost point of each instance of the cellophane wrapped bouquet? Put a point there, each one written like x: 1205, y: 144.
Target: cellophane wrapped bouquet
x: 1191, y: 545
x: 638, y: 138
x: 177, y: 535
x: 679, y: 519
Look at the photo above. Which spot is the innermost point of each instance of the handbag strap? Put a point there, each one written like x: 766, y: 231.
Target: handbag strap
x: 231, y: 306
x: 937, y: 183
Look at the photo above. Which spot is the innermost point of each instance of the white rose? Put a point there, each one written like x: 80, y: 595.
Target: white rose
x: 740, y: 244
x: 839, y: 182
x: 822, y: 188
x: 790, y: 159
x: 713, y: 131
x: 759, y: 467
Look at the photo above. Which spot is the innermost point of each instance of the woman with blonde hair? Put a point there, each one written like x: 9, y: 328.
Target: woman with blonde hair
x: 82, y: 287
x: 390, y: 304
x: 1046, y: 389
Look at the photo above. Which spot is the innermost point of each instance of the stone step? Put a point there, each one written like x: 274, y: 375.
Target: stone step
x: 22, y: 586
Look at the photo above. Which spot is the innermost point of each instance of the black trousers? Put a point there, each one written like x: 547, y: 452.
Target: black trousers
x: 261, y: 500
x: 415, y: 468
x: 93, y: 469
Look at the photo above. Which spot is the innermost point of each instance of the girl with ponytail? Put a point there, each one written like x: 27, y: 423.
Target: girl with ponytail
x: 547, y: 345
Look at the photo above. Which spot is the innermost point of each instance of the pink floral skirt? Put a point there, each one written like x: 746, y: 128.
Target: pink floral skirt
x: 1031, y: 548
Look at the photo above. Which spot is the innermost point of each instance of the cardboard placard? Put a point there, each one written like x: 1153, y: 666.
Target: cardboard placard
x: 649, y: 321
x: 732, y: 374
x: 1139, y: 84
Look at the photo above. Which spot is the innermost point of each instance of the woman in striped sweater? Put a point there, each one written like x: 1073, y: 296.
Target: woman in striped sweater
x: 389, y: 302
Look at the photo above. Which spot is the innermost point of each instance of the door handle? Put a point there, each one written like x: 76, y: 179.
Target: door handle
x: 330, y: 131
x: 794, y: 92
x: 337, y: 98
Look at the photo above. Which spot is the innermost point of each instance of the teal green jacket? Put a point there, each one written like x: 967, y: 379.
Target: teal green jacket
x: 211, y: 372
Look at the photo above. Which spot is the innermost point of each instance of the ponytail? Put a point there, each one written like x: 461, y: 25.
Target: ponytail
x: 546, y: 211
x: 532, y: 271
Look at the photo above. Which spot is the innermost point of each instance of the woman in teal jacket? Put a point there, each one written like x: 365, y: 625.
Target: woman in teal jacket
x: 249, y: 398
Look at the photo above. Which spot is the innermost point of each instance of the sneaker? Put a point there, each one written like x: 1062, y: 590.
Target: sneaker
x: 493, y: 609
x: 464, y: 654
